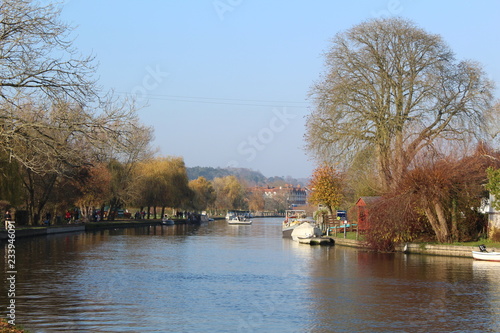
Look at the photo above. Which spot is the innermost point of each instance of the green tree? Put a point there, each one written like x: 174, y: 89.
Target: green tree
x: 11, y: 188
x: 391, y: 87
x: 493, y: 185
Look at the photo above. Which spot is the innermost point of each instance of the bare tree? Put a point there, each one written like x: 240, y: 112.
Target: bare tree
x: 393, y: 88
x: 53, y: 118
x: 37, y: 56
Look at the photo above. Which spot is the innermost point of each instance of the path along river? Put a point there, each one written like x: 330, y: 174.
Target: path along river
x: 221, y: 278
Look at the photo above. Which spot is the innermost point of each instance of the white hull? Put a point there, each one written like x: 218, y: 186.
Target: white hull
x: 488, y: 256
x: 305, y: 230
x: 239, y: 221
x: 297, y: 225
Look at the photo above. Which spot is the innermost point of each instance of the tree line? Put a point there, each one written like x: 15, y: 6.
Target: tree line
x: 67, y: 144
x: 397, y: 116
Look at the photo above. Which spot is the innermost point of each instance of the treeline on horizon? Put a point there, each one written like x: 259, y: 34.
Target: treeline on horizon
x: 251, y: 177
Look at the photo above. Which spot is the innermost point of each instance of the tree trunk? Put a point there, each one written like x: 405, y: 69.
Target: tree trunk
x: 443, y: 223
x: 454, y: 221
x: 437, y: 219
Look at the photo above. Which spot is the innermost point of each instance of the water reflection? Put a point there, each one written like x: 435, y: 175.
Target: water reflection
x: 396, y: 292
x: 220, y: 278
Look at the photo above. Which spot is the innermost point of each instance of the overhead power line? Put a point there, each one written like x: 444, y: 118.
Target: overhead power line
x: 225, y: 101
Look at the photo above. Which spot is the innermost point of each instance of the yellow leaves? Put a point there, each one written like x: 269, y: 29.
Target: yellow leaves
x: 326, y: 187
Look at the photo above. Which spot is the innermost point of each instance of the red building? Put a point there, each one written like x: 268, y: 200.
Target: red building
x: 363, y: 206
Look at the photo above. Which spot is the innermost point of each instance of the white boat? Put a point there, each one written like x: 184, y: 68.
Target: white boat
x: 296, y: 225
x: 239, y: 220
x: 238, y: 213
x: 488, y: 256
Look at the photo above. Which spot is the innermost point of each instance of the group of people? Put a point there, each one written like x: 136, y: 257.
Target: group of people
x: 140, y: 215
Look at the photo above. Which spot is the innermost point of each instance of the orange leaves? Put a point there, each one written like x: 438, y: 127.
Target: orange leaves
x: 326, y: 187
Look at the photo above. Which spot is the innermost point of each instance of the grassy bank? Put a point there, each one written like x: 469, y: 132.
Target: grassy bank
x: 490, y: 245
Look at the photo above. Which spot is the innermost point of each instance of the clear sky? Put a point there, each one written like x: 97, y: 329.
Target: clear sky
x: 226, y: 81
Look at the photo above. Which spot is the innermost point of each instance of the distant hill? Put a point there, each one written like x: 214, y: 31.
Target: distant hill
x: 253, y: 178
x: 207, y: 172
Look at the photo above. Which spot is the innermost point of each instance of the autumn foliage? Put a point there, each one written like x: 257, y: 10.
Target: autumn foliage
x: 439, y: 199
x: 326, y: 187
x: 394, y: 220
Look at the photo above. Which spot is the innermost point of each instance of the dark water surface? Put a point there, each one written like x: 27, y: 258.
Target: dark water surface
x: 221, y: 278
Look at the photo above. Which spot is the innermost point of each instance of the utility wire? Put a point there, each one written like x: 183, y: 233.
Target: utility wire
x: 226, y: 101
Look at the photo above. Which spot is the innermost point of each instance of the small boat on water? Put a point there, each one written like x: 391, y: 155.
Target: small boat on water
x: 483, y: 254
x: 166, y: 221
x: 240, y: 213
x: 239, y: 220
x: 296, y: 225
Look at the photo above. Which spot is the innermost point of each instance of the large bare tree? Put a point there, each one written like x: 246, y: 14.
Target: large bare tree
x: 51, y: 111
x: 53, y: 117
x: 395, y: 89
x: 37, y: 58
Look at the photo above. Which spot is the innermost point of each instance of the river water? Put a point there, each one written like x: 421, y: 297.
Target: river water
x: 221, y: 278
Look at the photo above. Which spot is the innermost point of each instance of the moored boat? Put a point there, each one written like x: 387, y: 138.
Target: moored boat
x: 483, y: 254
x: 488, y: 256
x: 296, y: 225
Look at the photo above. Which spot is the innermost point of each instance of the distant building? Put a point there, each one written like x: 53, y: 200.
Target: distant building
x: 297, y: 196
x: 493, y: 220
x: 292, y: 195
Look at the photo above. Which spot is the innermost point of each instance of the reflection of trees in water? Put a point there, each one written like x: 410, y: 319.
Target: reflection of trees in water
x: 358, y: 290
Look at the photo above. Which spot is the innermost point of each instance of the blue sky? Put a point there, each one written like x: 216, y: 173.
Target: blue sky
x: 226, y: 81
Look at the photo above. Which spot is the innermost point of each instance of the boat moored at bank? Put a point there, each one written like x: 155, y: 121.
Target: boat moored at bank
x: 297, y: 225
x: 484, y: 255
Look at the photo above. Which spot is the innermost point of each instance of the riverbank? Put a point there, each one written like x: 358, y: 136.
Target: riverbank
x: 31, y: 231
x: 420, y: 248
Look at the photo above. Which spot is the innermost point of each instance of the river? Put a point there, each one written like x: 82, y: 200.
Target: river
x: 222, y: 278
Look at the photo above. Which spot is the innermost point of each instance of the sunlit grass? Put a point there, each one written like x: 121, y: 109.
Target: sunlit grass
x: 348, y: 235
